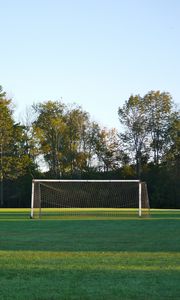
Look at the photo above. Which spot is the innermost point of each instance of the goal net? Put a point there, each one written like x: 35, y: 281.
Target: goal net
x: 88, y: 197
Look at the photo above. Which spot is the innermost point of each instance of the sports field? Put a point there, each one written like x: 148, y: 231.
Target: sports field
x: 88, y: 258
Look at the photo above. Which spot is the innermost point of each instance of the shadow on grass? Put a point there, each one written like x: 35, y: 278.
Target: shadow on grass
x: 96, y: 285
x: 91, y: 235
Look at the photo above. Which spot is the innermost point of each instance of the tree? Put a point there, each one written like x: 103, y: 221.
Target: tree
x: 30, y: 145
x: 158, y: 111
x: 134, y: 138
x: 50, y: 133
x: 172, y: 151
x: 107, y: 149
x: 62, y: 134
x: 77, y: 122
x: 147, y: 121
x: 14, y: 161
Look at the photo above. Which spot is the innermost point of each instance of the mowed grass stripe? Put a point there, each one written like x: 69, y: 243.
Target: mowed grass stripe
x: 135, y: 261
x: 89, y: 275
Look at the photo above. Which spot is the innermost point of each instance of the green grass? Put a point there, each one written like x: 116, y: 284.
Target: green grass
x: 128, y: 258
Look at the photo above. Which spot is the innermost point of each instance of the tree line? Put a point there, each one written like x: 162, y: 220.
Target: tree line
x: 55, y: 140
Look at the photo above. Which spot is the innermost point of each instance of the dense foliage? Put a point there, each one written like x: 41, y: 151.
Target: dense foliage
x: 62, y: 141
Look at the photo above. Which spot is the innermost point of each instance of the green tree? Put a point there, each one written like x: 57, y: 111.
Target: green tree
x: 77, y: 122
x: 14, y: 161
x: 70, y: 142
x: 159, y: 109
x: 30, y: 143
x: 107, y: 149
x: 50, y: 134
x: 133, y: 117
x: 172, y: 151
x: 63, y: 139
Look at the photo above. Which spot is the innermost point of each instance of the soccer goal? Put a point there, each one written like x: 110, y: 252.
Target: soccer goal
x: 88, y: 197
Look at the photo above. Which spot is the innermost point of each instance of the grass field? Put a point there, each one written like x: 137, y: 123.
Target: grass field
x: 124, y: 258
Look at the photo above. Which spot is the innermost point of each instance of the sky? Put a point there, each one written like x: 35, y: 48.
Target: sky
x: 95, y: 53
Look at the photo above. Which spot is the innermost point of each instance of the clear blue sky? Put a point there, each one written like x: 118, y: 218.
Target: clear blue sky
x: 92, y: 52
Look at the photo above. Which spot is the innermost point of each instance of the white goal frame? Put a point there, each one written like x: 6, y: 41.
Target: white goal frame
x: 139, y: 182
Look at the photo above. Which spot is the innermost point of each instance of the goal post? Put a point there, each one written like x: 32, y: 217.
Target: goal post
x: 63, y: 197
x: 140, y: 199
